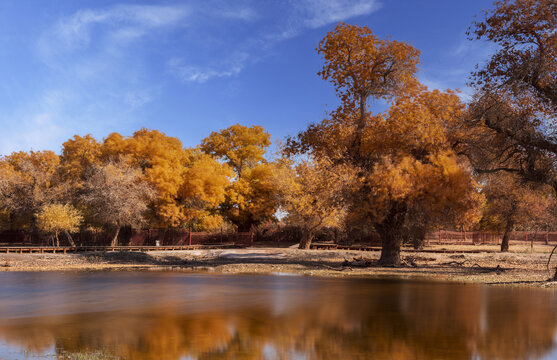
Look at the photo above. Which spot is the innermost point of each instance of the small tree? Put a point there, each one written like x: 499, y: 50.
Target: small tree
x: 57, y: 218
x: 116, y: 195
x: 513, y: 203
x: 313, y: 197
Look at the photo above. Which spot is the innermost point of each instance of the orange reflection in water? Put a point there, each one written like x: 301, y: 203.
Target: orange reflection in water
x: 173, y: 315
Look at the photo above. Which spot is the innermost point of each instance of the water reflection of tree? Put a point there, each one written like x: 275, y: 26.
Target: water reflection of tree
x: 391, y: 321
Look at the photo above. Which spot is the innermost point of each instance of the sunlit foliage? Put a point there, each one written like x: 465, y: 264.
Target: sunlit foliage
x: 313, y: 196
x: 402, y: 157
x: 28, y: 181
x: 57, y: 218
x: 253, y: 196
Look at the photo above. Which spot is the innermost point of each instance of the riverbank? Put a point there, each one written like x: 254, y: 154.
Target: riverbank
x: 523, y: 265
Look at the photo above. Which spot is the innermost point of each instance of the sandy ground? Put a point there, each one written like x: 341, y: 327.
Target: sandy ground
x: 521, y: 266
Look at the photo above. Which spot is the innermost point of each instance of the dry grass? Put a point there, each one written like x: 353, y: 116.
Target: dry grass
x: 521, y: 266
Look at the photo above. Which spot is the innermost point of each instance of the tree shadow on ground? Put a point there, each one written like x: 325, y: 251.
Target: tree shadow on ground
x: 211, y: 259
x: 309, y: 260
x: 119, y: 257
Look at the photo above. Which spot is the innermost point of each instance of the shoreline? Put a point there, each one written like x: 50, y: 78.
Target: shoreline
x: 522, y: 266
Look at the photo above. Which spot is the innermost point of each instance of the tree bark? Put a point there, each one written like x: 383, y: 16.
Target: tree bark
x: 506, y: 235
x: 114, y: 241
x: 70, y: 239
x: 418, y: 239
x: 357, y: 144
x: 57, y: 239
x: 305, y: 243
x: 392, y: 234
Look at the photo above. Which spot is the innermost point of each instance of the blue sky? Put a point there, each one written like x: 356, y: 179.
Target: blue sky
x: 191, y: 67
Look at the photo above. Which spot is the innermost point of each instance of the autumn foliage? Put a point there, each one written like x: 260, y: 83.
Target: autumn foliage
x: 418, y: 160
x: 57, y: 218
x: 402, y: 159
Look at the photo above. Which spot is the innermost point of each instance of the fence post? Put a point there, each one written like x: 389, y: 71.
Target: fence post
x: 533, y: 238
x: 189, y: 237
x: 251, y: 236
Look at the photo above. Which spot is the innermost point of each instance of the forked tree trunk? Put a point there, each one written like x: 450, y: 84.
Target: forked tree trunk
x: 392, y: 234
x: 506, y: 235
x: 114, y: 241
x: 305, y: 243
x: 69, y: 237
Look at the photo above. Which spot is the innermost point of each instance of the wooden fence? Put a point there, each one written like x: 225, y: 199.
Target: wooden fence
x: 128, y: 237
x: 184, y: 237
x: 482, y: 237
x: 444, y: 237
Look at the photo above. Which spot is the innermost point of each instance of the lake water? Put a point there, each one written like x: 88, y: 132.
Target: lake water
x: 169, y: 315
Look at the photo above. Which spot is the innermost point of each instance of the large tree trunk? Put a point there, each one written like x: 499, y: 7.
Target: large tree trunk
x: 305, y: 243
x: 506, y: 235
x: 114, y: 241
x: 69, y: 237
x: 392, y: 233
x: 418, y: 238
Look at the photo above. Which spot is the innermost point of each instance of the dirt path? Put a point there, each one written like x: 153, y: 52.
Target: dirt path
x: 521, y: 266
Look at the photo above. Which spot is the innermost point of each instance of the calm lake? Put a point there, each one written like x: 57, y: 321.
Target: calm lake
x: 169, y: 315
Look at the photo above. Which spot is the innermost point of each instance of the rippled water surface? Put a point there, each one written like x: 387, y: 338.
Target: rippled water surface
x: 145, y: 315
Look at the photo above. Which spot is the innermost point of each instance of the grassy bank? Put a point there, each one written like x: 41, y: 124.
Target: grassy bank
x: 523, y: 265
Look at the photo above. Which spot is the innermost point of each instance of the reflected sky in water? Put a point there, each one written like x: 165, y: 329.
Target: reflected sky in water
x: 164, y: 315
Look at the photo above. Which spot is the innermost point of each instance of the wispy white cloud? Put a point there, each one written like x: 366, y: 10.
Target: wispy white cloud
x: 200, y: 74
x: 312, y: 14
x: 137, y: 99
x: 301, y: 15
x: 472, y: 48
x: 101, y: 34
x: 244, y: 13
x: 465, y: 93
x: 120, y: 23
x: 317, y: 13
x: 96, y: 59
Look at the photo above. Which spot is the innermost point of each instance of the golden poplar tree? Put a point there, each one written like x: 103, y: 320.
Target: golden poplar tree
x: 400, y: 157
x: 28, y: 180
x: 189, y: 185
x: 56, y: 218
x: 78, y: 153
x: 253, y: 195
x: 312, y: 196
